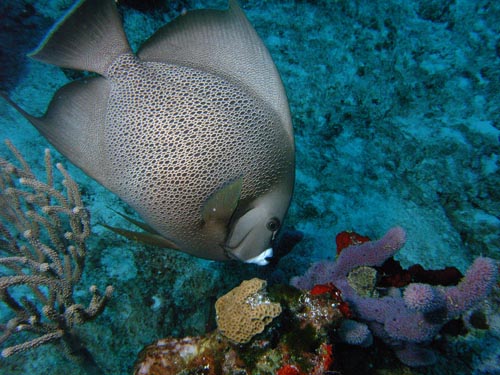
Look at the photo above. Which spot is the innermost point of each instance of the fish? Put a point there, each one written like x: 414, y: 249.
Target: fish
x: 193, y: 130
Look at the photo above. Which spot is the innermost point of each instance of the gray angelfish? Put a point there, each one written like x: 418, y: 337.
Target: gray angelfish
x: 194, y: 132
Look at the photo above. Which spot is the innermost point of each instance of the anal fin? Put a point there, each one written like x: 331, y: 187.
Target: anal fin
x: 148, y: 237
x: 143, y: 237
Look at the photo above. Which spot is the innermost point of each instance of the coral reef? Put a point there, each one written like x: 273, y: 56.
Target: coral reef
x: 172, y: 356
x: 338, y: 300
x: 213, y: 355
x: 408, y: 322
x: 298, y: 342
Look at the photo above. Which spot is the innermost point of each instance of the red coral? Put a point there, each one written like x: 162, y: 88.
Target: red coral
x: 329, y: 288
x: 335, y: 294
x: 327, y: 356
x: 345, y: 309
x: 325, y: 360
x: 394, y: 275
x: 288, y: 370
x: 348, y: 238
x: 446, y: 276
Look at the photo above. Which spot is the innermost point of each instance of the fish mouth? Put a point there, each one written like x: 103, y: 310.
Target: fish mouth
x: 262, y: 259
x: 235, y: 252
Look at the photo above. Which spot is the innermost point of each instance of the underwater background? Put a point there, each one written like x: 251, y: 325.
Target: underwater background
x: 396, y: 112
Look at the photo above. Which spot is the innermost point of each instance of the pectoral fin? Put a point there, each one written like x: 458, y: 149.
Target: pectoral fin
x: 221, y: 205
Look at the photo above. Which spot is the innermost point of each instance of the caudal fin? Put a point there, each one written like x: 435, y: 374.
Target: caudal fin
x: 89, y: 37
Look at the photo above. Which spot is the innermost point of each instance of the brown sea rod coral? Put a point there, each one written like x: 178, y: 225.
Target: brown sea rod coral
x: 43, y: 230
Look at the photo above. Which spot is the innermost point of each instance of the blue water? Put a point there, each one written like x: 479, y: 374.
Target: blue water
x: 396, y: 114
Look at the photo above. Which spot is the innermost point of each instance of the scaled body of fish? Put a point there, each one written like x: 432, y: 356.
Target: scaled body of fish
x: 194, y: 132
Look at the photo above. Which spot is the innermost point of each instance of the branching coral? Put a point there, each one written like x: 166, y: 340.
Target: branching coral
x: 42, y: 250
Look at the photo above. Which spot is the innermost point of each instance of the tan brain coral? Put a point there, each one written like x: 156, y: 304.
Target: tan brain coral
x: 245, y: 311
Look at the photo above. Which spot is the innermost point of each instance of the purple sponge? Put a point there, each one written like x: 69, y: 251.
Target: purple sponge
x: 475, y: 285
x: 420, y: 297
x: 355, y: 333
x: 407, y: 323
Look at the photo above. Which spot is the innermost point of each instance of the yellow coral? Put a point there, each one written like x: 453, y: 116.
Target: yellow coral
x: 245, y: 311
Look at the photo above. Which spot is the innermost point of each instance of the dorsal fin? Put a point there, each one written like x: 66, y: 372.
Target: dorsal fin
x: 223, y: 43
x: 89, y: 37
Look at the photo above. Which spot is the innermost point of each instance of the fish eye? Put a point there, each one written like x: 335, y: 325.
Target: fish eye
x: 273, y: 224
